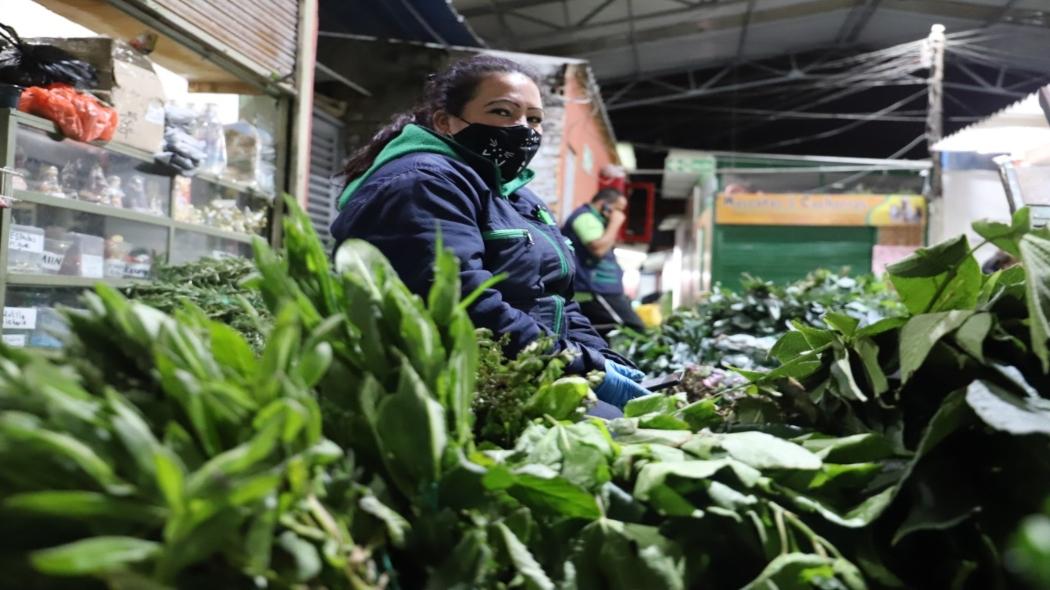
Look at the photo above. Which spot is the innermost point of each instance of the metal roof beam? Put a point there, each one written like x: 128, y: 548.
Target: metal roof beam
x: 742, y: 42
x: 512, y: 5
x: 590, y: 15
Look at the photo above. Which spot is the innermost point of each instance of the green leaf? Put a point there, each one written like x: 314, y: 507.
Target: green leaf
x: 171, y: 476
x: 765, y: 451
x: 803, y: 571
x: 858, y: 448
x: 789, y: 347
x: 648, y: 404
x: 545, y: 491
x: 1006, y: 237
x: 314, y: 363
x: 25, y: 429
x: 939, y: 278
x: 445, y: 290
x: 846, y: 325
x: 972, y: 334
x: 842, y: 374
x: 410, y: 427
x: 868, y: 352
x: 84, y: 505
x: 701, y: 414
x: 880, y: 327
x: 611, y: 555
x: 859, y: 516
x: 524, y: 562
x: 304, y: 555
x: 921, y: 333
x: 1035, y: 257
x: 1008, y: 412
x: 466, y: 567
x: 559, y: 399
x: 231, y: 350
x: 396, y: 526
x: 366, y: 263
x: 816, y: 337
x: 93, y: 556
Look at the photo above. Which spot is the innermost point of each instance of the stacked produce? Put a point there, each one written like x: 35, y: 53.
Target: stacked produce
x: 737, y: 329
x: 160, y: 452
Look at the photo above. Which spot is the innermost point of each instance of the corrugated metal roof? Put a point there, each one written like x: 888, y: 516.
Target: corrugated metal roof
x: 429, y: 21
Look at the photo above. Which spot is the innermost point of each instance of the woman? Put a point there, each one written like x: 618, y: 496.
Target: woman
x: 457, y: 165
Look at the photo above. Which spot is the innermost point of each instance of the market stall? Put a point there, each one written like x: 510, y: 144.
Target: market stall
x: 126, y: 175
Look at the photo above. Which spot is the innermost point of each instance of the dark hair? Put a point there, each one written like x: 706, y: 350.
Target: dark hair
x: 447, y: 91
x: 607, y: 195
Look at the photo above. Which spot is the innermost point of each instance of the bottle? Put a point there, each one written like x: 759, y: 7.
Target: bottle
x: 214, y: 138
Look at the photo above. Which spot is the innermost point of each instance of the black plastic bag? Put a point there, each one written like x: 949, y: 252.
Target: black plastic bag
x: 25, y: 64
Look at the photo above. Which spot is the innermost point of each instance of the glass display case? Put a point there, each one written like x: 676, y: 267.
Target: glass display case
x: 76, y: 214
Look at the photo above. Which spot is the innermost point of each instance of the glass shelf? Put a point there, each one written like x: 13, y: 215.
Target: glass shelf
x: 64, y: 168
x: 191, y: 246
x: 56, y: 241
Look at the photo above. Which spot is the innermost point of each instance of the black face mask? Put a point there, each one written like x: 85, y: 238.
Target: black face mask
x: 509, y: 148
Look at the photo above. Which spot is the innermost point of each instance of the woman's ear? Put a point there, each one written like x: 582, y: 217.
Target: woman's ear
x: 441, y: 121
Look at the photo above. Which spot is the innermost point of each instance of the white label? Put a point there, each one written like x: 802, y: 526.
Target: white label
x: 26, y: 241
x: 19, y: 318
x: 15, y: 340
x: 137, y: 270
x: 52, y: 262
x: 115, y: 268
x: 91, y: 266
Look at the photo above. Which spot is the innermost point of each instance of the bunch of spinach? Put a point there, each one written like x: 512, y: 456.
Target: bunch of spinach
x: 958, y: 386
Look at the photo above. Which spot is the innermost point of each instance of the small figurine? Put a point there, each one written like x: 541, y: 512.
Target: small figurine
x: 49, y: 184
x: 135, y: 197
x: 69, y: 181
x: 18, y: 179
x: 113, y: 195
x: 96, y: 187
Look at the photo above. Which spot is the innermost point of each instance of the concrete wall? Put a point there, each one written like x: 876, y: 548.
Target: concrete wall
x: 585, y: 134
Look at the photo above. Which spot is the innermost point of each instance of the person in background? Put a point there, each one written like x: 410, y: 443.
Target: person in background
x: 593, y: 230
x: 457, y: 166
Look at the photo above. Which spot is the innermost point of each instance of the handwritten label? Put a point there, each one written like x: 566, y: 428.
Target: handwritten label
x: 19, y: 318
x: 26, y: 241
x: 138, y: 270
x: 15, y: 340
x: 52, y: 262
x: 91, y: 266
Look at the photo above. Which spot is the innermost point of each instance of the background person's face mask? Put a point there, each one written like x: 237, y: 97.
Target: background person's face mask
x: 509, y: 148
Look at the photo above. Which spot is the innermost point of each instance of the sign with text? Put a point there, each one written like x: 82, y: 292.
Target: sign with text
x: 806, y: 209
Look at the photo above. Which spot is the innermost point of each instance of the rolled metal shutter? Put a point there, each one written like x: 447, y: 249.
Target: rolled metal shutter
x: 326, y: 161
x: 783, y: 254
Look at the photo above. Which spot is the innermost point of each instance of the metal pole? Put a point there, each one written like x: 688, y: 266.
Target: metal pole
x: 935, y: 122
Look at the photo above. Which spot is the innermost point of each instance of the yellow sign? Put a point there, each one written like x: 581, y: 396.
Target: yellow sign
x: 805, y: 209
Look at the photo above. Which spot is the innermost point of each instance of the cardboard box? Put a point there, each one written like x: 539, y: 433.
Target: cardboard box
x: 127, y: 81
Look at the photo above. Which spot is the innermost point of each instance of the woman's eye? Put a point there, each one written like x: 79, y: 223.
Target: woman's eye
x: 501, y: 112
x: 535, y: 120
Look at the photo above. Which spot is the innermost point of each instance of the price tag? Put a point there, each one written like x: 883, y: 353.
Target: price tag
x: 26, y: 241
x: 138, y: 270
x: 19, y: 318
x: 92, y: 266
x: 15, y: 340
x: 52, y: 262
x: 115, y: 268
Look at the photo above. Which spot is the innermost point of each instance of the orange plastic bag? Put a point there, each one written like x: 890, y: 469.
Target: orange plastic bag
x: 79, y: 116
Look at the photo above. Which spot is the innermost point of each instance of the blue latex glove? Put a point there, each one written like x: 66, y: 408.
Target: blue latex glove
x: 619, y: 386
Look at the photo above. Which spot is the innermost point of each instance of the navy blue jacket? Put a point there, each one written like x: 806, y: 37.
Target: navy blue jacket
x: 594, y: 275
x: 398, y: 208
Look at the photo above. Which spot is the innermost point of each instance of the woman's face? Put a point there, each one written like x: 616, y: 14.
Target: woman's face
x: 501, y: 100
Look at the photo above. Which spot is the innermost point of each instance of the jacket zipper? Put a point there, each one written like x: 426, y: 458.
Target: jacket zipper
x: 561, y: 255
x: 559, y: 314
x: 507, y: 234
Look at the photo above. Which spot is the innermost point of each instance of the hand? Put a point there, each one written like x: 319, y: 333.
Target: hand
x: 619, y: 385
x: 617, y: 217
